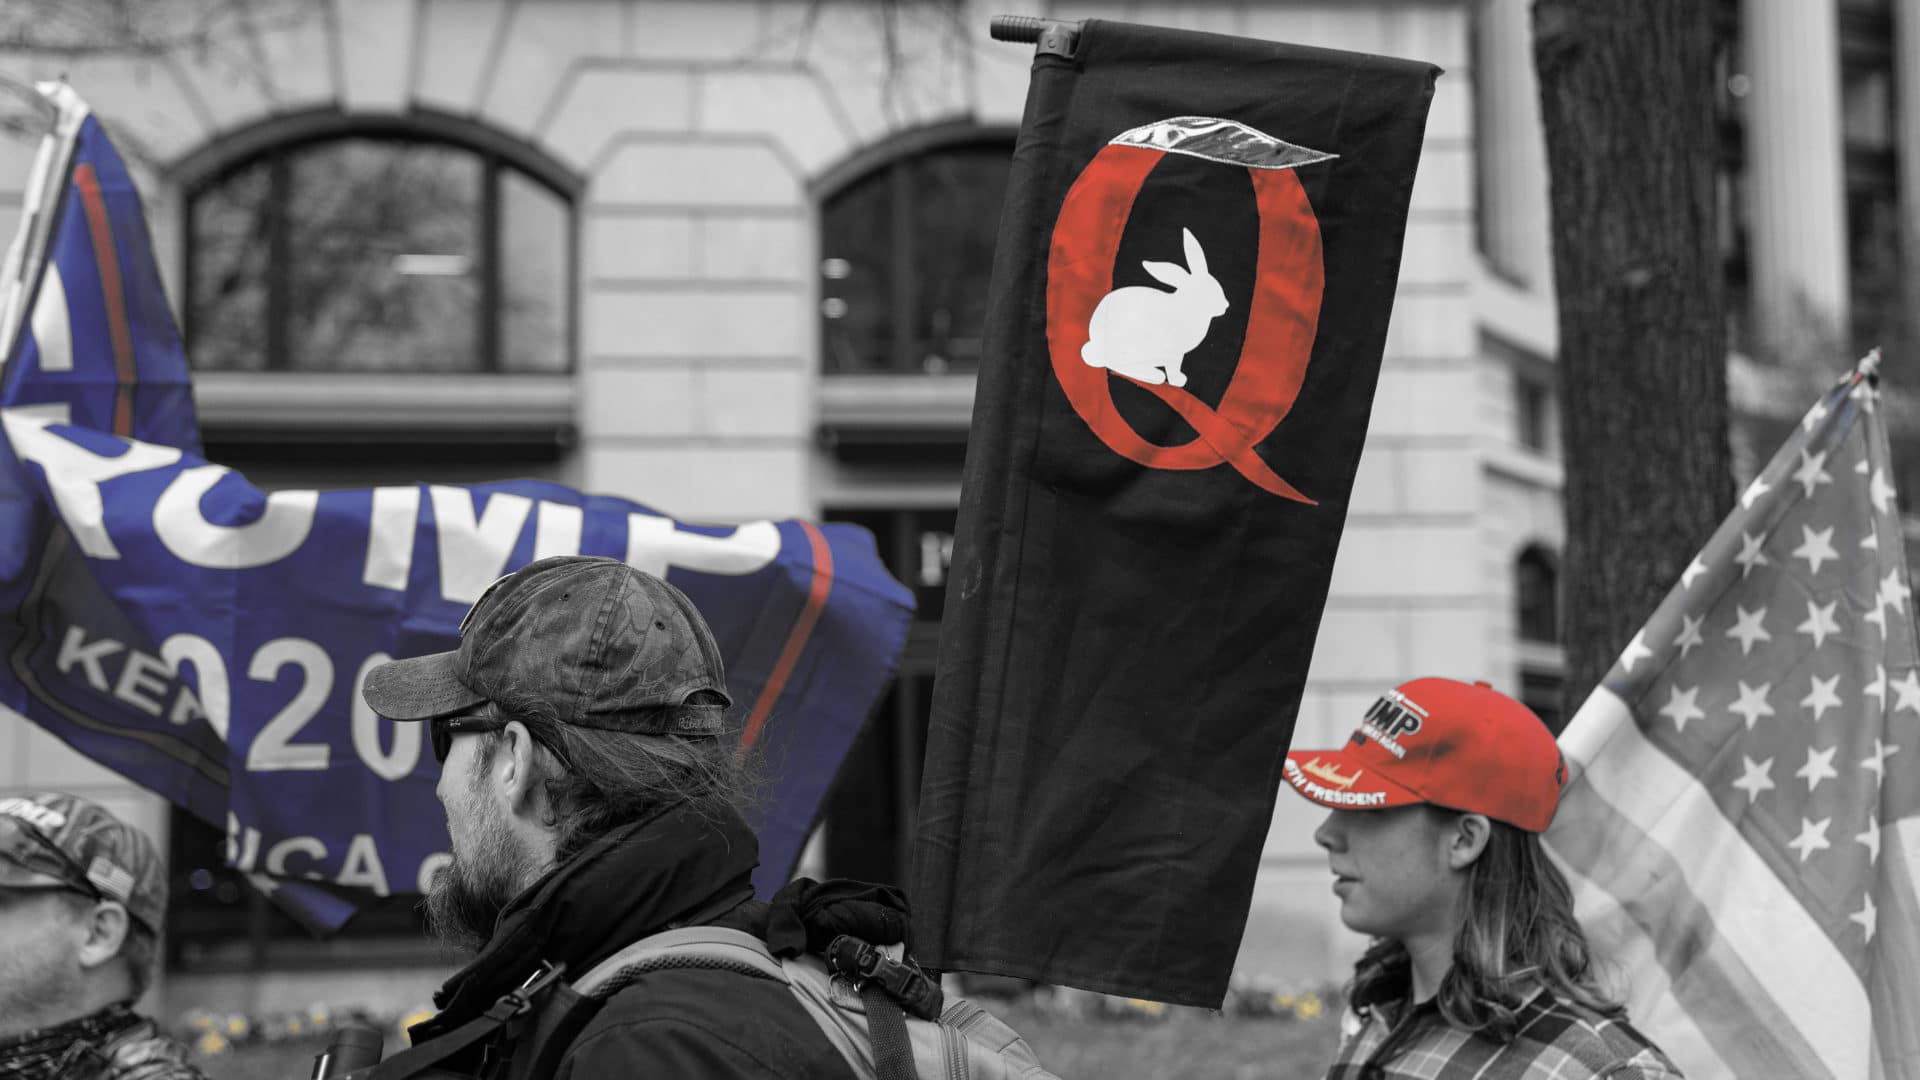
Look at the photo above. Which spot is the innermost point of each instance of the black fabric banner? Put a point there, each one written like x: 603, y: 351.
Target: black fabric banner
x: 1196, y: 264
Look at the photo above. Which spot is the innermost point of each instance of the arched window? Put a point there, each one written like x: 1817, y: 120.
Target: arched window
x: 1536, y: 586
x: 906, y: 247
x: 330, y: 243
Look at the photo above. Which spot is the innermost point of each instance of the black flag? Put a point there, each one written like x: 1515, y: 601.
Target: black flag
x: 1196, y: 264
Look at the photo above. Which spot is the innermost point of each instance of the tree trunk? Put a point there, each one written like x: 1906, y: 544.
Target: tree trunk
x: 1627, y: 100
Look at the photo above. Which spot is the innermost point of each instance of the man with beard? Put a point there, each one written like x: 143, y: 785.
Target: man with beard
x: 593, y: 798
x: 81, y: 897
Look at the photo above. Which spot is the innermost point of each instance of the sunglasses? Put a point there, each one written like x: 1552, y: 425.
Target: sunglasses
x: 441, y: 730
x: 27, y: 847
x: 440, y: 733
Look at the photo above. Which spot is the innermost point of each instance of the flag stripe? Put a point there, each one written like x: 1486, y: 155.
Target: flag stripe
x: 101, y: 228
x: 52, y: 335
x: 1622, y: 947
x: 1688, y: 847
x: 1690, y: 985
x: 797, y: 640
x: 1893, y: 983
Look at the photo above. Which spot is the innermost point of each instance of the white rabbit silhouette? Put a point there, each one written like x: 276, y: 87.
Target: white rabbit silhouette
x: 1138, y: 331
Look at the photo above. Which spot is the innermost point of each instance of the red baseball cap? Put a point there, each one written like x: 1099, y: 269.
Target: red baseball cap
x: 1464, y: 746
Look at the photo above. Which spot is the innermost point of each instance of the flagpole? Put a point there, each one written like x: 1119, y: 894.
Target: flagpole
x: 1869, y: 367
x: 46, y: 183
x: 1051, y: 37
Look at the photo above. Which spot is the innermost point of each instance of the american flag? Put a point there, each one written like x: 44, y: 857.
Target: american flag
x: 1742, y: 829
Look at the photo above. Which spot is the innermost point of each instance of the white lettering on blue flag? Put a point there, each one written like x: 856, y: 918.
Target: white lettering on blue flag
x: 230, y: 630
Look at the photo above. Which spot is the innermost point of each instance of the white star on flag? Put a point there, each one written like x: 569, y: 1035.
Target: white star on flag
x: 1753, y: 703
x: 1822, y: 696
x: 1814, y: 416
x: 1881, y: 492
x: 1682, y: 707
x: 1810, y: 475
x: 1816, y: 548
x: 1687, y: 827
x: 1870, y: 839
x: 1694, y: 569
x: 1820, y: 622
x: 1689, y: 637
x: 1867, y: 916
x: 1750, y: 554
x: 1894, y: 592
x: 1636, y: 651
x: 1819, y: 767
x: 1908, y: 689
x: 1757, y: 777
x: 1747, y: 629
x: 1877, y: 760
x: 1812, y: 838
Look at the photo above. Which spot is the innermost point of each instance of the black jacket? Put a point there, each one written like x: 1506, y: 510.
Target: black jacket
x: 672, y: 869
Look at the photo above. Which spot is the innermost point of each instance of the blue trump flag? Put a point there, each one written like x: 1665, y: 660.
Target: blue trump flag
x: 91, y: 338
x: 207, y: 640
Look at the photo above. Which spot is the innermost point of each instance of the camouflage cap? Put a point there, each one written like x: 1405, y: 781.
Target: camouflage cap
x: 51, y: 840
x: 610, y: 646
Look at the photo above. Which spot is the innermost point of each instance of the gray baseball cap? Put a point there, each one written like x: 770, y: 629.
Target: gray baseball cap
x: 608, y: 646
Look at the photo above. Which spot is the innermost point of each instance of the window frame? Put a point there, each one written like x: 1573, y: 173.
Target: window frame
x: 274, y: 140
x: 1537, y: 558
x: 893, y: 156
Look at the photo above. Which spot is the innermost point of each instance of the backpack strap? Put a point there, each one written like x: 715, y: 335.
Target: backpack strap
x: 428, y: 1055
x: 887, y: 1028
x: 687, y: 947
x: 729, y: 950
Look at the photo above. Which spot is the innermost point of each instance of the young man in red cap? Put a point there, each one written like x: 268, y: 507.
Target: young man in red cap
x: 1478, y: 969
x: 81, y: 898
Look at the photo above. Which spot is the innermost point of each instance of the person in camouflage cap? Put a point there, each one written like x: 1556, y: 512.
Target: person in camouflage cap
x: 81, y: 899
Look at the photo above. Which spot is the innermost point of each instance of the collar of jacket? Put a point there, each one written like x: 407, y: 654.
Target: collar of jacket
x: 52, y: 1052
x: 630, y: 883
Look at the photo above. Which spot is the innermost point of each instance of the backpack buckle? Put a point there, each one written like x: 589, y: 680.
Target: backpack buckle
x: 518, y: 1000
x: 862, y: 963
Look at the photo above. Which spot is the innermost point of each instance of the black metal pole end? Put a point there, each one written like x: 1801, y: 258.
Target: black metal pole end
x: 1055, y: 37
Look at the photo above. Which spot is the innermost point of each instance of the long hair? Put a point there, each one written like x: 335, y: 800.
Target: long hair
x: 1518, y: 935
x: 611, y: 778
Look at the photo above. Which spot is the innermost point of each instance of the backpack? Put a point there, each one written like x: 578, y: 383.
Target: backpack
x: 861, y: 1014
x: 866, y: 1024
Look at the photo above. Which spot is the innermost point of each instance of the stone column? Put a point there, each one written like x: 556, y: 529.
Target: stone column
x: 1515, y: 234
x: 1796, y: 183
x: 1906, y: 139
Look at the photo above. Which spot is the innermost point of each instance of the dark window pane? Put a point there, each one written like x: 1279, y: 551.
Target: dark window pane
x: 856, y: 252
x: 1540, y: 691
x: 1533, y: 405
x: 957, y: 196
x: 906, y: 253
x: 1537, y: 585
x: 535, y: 229
x: 227, y: 295
x: 383, y: 239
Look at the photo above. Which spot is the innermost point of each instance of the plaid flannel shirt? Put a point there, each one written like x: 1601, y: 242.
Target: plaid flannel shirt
x: 1556, y: 1040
